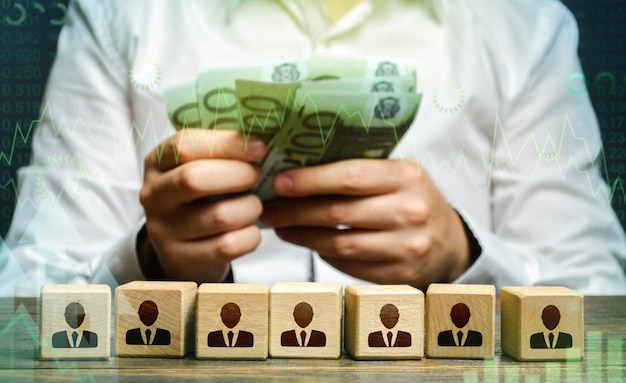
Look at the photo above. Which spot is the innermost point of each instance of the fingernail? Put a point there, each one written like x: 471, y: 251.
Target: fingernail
x: 283, y: 184
x: 255, y: 148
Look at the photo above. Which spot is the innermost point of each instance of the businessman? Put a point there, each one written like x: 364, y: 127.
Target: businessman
x: 148, y: 313
x: 551, y: 316
x: 389, y: 316
x: 230, y: 314
x: 303, y: 316
x: 461, y: 337
x: 74, y: 316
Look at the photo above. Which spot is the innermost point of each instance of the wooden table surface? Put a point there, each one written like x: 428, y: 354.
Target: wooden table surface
x: 605, y: 338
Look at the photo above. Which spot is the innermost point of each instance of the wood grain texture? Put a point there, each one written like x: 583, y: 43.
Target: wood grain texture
x: 374, y: 312
x: 240, y: 308
x: 465, y: 310
x: 531, y: 314
x: 604, y: 361
x: 316, y: 309
x: 83, y: 309
x: 166, y: 309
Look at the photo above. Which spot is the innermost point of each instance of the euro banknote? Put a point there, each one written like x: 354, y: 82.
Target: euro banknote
x: 333, y: 126
x: 308, y: 111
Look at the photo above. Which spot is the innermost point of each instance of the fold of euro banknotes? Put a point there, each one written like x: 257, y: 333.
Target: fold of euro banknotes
x: 309, y: 111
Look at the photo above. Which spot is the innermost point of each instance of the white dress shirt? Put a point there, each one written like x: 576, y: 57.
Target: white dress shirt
x: 498, y: 131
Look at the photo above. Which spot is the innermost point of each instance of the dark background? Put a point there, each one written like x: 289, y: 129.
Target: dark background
x: 28, y: 36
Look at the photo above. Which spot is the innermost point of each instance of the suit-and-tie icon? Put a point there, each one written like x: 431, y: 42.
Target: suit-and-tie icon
x: 74, y: 316
x: 460, y: 315
x: 231, y: 314
x: 551, y: 316
x: 148, y: 335
x: 389, y: 316
x: 303, y: 315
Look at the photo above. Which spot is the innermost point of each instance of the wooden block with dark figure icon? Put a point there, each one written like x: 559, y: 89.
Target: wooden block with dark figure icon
x: 542, y: 323
x: 232, y: 321
x: 460, y: 321
x: 154, y: 318
x: 384, y: 322
x: 305, y: 320
x: 75, y: 322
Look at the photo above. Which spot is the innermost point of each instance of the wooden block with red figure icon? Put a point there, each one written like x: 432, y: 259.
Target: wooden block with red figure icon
x: 232, y: 321
x: 154, y: 319
x: 384, y: 322
x: 460, y: 321
x: 305, y: 320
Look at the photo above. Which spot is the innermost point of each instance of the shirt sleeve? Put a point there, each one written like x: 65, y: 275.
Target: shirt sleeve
x: 552, y: 219
x: 78, y: 213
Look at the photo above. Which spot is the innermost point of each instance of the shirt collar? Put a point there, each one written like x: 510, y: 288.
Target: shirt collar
x: 295, y: 6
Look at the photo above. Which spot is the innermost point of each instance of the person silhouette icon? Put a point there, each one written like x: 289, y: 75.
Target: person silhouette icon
x: 303, y: 316
x: 148, y: 314
x: 551, y: 316
x: 74, y: 316
x: 230, y: 314
x: 389, y: 316
x: 460, y: 316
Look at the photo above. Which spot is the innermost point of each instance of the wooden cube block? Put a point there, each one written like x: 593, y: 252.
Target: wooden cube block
x: 305, y: 320
x: 384, y: 322
x: 154, y: 318
x: 542, y: 323
x: 75, y: 321
x: 460, y: 321
x: 232, y: 321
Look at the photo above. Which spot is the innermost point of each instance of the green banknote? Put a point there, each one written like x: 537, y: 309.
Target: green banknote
x: 217, y: 98
x: 182, y: 106
x: 264, y: 106
x: 334, y: 126
x: 211, y: 102
x: 332, y: 67
x: 363, y: 84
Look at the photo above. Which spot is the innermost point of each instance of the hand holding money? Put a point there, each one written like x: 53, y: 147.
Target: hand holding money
x: 190, y: 235
x: 380, y: 220
x: 309, y: 112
